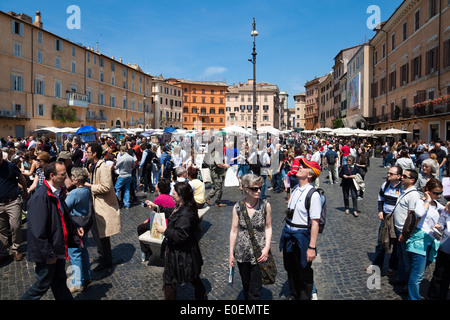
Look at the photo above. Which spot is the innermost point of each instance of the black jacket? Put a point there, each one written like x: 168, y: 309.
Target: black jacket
x: 50, y: 229
x: 345, y: 170
x: 77, y: 156
x: 183, y: 256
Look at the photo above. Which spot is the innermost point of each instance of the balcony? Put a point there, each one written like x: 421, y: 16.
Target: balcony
x: 19, y: 115
x: 99, y: 117
x: 75, y: 99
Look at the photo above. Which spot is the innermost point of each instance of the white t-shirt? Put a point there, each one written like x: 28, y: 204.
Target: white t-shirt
x: 405, y: 203
x: 297, y: 202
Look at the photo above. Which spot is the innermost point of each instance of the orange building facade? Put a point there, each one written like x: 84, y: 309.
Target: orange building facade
x: 203, y: 104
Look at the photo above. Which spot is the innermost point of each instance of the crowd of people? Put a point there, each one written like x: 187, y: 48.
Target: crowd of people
x: 81, y: 187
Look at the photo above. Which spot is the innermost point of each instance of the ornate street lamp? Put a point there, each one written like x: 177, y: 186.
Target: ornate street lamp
x: 254, y: 34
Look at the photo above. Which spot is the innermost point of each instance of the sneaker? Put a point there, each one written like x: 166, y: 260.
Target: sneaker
x: 75, y: 289
x: 314, y: 296
x: 359, y: 198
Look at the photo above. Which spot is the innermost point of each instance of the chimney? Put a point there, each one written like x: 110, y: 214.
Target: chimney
x: 37, y: 20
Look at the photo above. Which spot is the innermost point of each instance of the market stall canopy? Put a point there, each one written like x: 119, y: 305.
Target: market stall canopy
x: 324, y: 130
x: 118, y: 130
x: 268, y: 129
x: 170, y: 130
x: 86, y: 129
x: 235, y: 129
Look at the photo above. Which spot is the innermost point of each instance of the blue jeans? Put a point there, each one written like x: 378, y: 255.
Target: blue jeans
x: 49, y: 276
x: 441, y: 171
x: 263, y: 189
x: 418, y: 266
x: 126, y: 184
x: 404, y: 265
x: 79, y: 258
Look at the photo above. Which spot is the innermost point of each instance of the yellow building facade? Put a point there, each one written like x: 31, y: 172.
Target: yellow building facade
x: 49, y: 81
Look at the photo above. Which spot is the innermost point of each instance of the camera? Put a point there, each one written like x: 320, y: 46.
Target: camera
x: 289, y: 213
x: 144, y: 204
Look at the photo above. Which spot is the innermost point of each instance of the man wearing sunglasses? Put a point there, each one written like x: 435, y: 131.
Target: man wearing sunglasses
x: 387, y: 198
x: 405, y: 203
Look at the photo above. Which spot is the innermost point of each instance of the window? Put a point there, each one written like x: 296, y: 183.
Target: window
x: 39, y: 37
x: 102, y: 77
x: 57, y: 63
x: 447, y: 53
x: 393, y: 42
x: 392, y: 80
x: 17, y: 49
x: 73, y: 67
x: 404, y: 74
x: 17, y: 27
x: 89, y: 96
x: 16, y: 83
x: 383, y: 86
x: 40, y: 110
x: 113, y: 67
x: 113, y: 101
x: 39, y: 56
x: 88, y: 57
x: 416, y: 66
x: 417, y: 20
x: 383, y: 51
x: 101, y: 62
x: 73, y: 51
x: 433, y: 8
x: 405, y: 31
x: 124, y: 103
x: 39, y: 86
x: 113, y: 81
x: 57, y: 89
x: 58, y: 45
x: 89, y: 73
x: 431, y: 62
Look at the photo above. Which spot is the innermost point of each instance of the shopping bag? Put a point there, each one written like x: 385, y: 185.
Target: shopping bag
x: 159, y: 219
x: 231, y: 179
x: 446, y: 187
x: 206, y: 175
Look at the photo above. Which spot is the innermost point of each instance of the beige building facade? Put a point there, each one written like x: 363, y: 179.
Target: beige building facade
x: 326, y: 99
x: 167, y: 99
x: 49, y: 81
x: 411, y: 68
x: 239, y: 105
x: 298, y: 116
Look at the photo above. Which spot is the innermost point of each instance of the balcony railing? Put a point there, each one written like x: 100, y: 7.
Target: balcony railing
x: 15, y: 114
x: 75, y: 99
x: 96, y: 117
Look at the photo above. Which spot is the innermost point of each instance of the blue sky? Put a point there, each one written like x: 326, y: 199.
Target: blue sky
x: 210, y: 39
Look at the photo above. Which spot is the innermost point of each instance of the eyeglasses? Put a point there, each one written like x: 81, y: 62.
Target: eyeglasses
x: 437, y: 193
x: 405, y: 176
x: 254, y: 189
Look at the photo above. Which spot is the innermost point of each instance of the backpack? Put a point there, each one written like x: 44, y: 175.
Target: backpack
x: 331, y: 159
x: 323, y: 213
x: 168, y: 165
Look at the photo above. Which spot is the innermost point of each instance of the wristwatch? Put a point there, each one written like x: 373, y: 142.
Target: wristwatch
x: 309, y: 247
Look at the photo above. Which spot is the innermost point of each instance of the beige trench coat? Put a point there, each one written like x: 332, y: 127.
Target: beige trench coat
x: 106, y: 205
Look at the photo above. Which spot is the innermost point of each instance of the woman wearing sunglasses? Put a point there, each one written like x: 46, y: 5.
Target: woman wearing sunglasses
x: 241, y: 249
x: 423, y: 246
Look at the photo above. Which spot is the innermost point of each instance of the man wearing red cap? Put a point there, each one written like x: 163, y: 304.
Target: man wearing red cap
x: 299, y: 235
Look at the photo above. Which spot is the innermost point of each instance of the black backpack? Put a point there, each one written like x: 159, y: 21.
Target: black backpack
x: 323, y: 214
x: 168, y: 165
x: 331, y: 159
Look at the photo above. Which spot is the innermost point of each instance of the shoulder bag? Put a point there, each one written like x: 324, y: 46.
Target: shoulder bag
x: 268, y: 268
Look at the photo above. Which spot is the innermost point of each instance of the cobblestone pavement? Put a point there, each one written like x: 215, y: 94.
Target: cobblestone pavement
x: 345, y: 249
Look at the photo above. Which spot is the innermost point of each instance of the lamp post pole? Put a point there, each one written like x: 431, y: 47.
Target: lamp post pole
x: 254, y: 34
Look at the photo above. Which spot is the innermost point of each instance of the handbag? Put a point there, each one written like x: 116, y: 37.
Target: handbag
x: 206, y: 175
x: 268, y: 268
x: 231, y: 179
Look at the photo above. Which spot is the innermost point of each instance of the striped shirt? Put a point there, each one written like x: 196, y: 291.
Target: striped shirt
x: 387, y: 197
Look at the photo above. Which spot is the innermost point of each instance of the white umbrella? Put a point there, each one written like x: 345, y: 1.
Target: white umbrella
x: 324, y: 130
x: 396, y: 131
x: 235, y: 129
x: 268, y: 129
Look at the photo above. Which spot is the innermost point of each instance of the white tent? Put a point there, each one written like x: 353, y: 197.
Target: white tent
x: 268, y: 129
x: 235, y: 129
